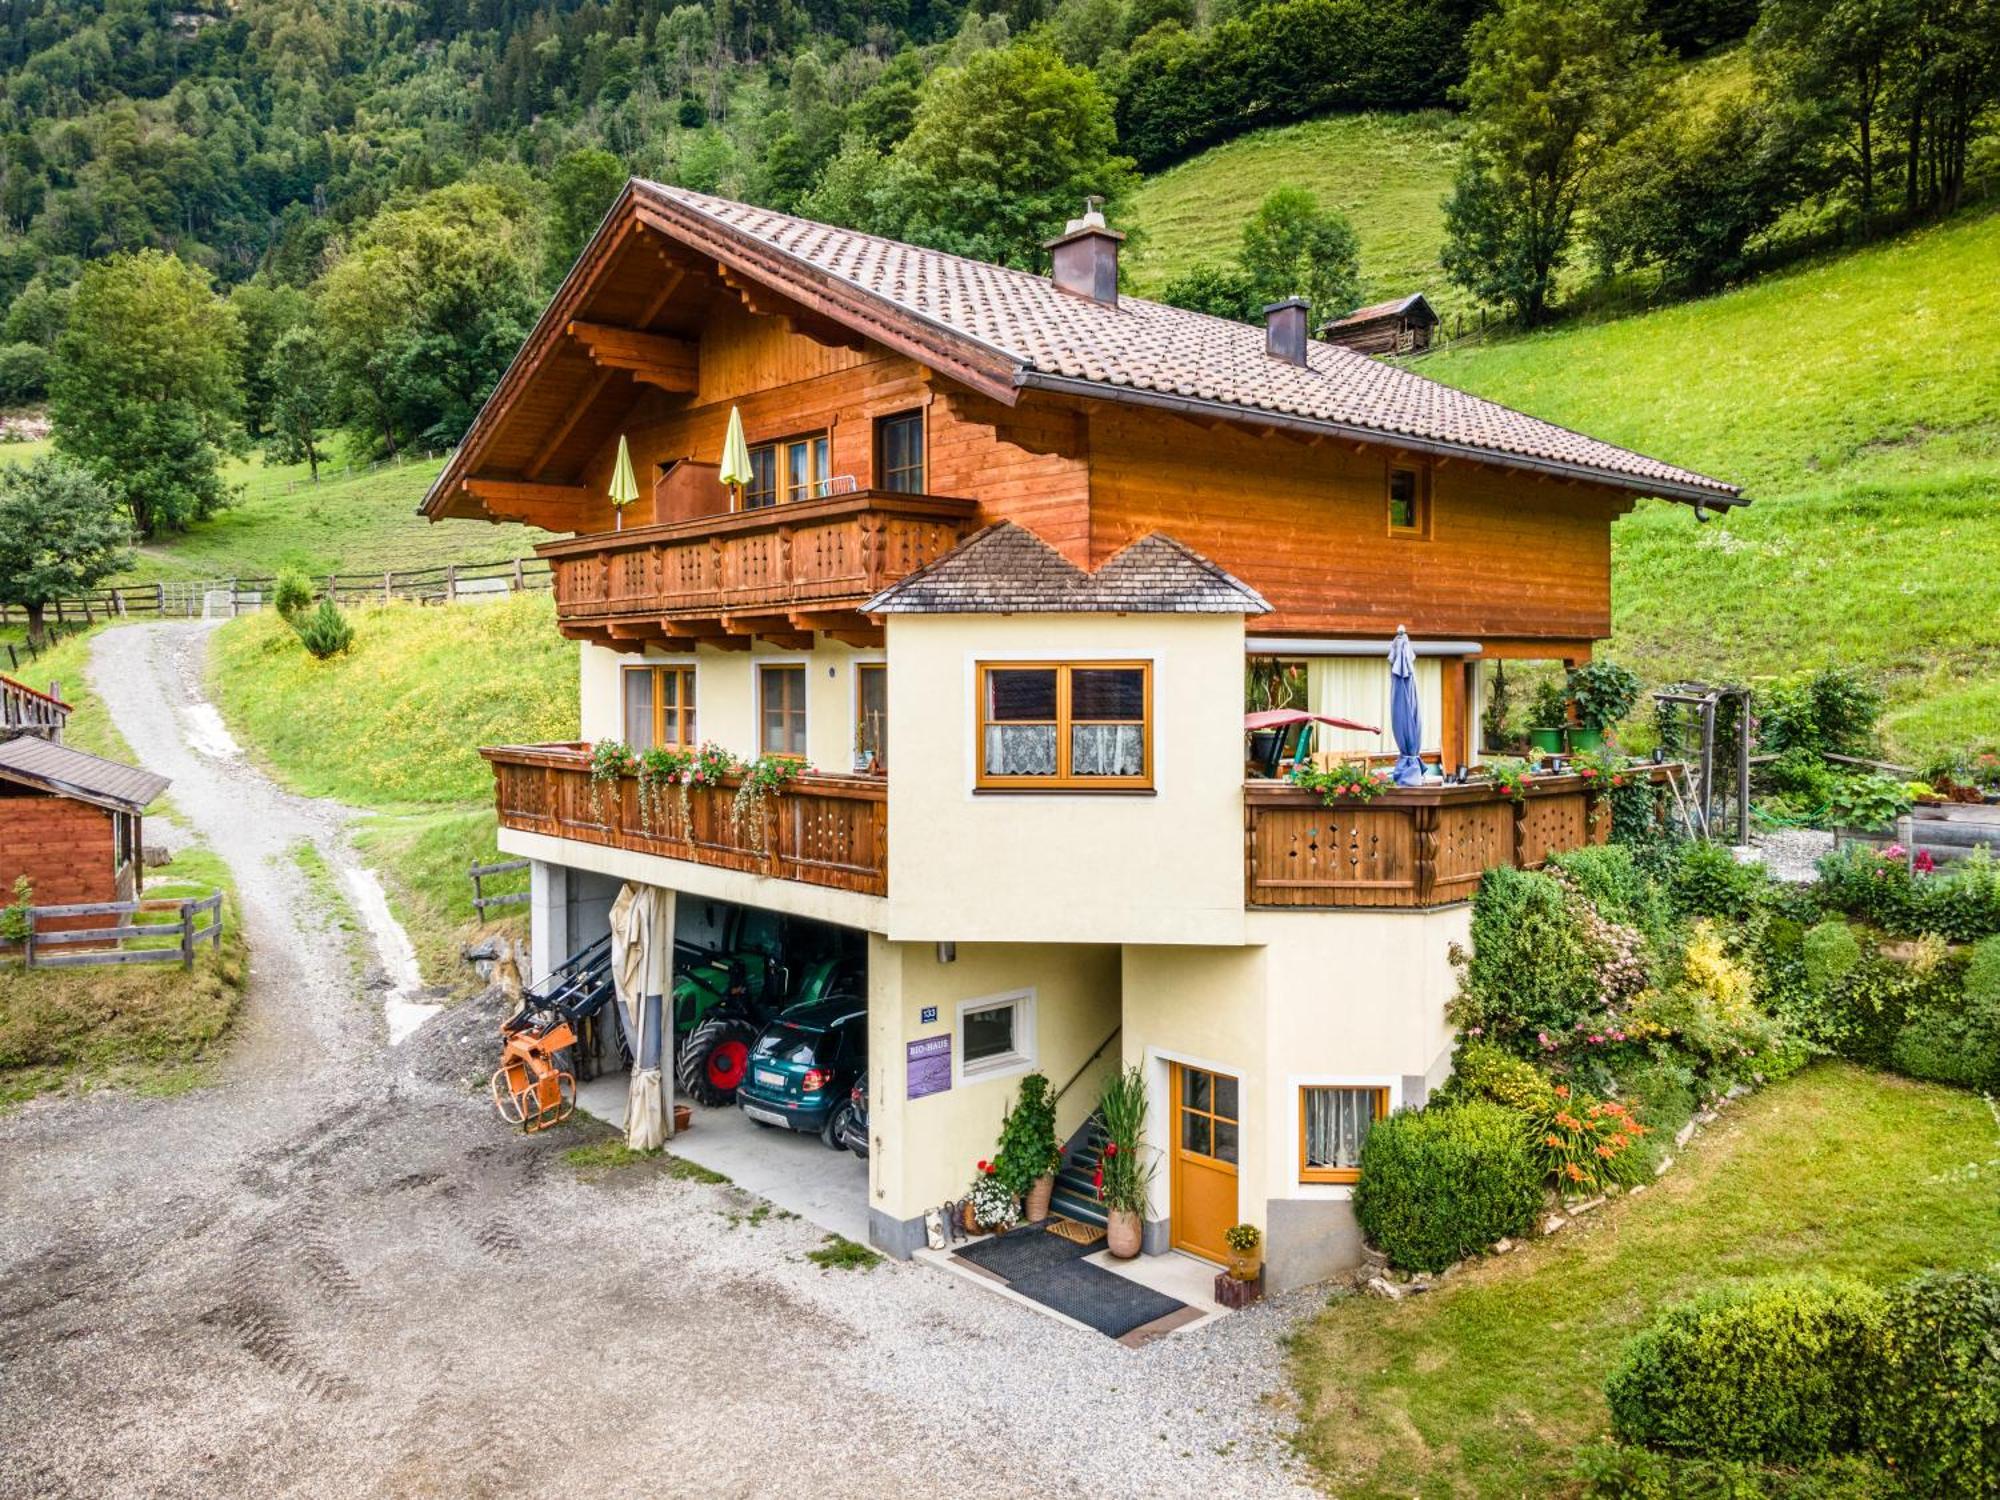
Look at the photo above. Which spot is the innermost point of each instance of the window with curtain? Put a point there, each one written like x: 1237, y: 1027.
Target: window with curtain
x: 871, y: 712
x: 659, y: 706
x: 899, y: 453
x: 781, y: 697
x: 763, y: 487
x: 802, y: 465
x: 1333, y: 1122
x: 1081, y: 725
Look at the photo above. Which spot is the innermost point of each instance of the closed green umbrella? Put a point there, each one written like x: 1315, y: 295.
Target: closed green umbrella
x: 624, y: 485
x: 736, y: 457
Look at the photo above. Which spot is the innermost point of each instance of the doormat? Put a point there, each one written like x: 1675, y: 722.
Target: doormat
x: 1075, y: 1229
x: 1098, y: 1298
x: 1021, y: 1252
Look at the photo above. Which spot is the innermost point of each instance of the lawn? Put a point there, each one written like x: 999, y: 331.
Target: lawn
x: 148, y: 1026
x: 1387, y: 173
x: 1488, y: 1385
x: 1858, y: 402
x: 63, y: 665
x: 395, y: 727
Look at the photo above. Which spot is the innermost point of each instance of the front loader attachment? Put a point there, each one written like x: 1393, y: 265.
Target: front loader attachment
x: 531, y: 1088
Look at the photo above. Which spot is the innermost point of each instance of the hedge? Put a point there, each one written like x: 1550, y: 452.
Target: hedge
x: 1439, y: 1184
x: 1774, y: 1370
x: 1932, y: 1410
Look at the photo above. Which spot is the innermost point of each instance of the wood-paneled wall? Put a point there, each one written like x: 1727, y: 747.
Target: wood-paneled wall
x: 1509, y: 554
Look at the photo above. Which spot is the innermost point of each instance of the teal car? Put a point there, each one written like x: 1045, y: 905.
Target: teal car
x: 804, y: 1065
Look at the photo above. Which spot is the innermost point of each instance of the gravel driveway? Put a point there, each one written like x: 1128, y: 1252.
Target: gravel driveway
x: 334, y: 1273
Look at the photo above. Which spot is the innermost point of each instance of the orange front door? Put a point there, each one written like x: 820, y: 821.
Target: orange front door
x: 1204, y: 1161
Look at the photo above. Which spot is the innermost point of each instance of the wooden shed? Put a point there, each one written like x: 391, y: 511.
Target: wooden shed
x: 1400, y: 327
x: 71, y: 823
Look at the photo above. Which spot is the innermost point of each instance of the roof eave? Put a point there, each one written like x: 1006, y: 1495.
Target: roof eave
x: 1723, y: 497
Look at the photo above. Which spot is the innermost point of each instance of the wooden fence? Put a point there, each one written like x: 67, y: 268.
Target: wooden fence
x: 444, y: 583
x: 106, y: 945
x: 482, y: 873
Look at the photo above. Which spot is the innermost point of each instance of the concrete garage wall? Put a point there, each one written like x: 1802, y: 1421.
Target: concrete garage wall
x: 1164, y: 866
x: 924, y: 1150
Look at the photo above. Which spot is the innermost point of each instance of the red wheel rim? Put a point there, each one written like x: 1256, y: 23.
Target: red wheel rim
x: 726, y: 1064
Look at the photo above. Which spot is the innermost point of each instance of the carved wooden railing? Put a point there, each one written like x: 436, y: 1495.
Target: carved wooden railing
x: 1409, y: 847
x: 822, y: 830
x: 829, y: 553
x: 25, y: 711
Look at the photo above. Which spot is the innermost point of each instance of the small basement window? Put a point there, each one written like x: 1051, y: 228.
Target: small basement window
x: 1084, y: 726
x: 1333, y: 1123
x: 996, y: 1036
x: 1409, y: 502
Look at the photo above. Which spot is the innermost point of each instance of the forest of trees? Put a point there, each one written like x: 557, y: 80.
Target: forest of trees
x: 369, y: 199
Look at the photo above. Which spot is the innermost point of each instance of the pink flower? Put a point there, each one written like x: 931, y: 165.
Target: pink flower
x: 1925, y: 864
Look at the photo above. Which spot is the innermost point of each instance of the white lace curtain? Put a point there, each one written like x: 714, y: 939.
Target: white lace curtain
x: 1020, y: 749
x: 1094, y: 750
x: 1337, y: 1122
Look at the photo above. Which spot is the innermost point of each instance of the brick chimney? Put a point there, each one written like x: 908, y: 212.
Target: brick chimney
x: 1285, y: 330
x: 1083, y: 259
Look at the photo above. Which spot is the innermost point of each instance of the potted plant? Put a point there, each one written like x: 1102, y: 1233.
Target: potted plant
x: 1548, y: 720
x: 1246, y: 1250
x: 1123, y: 1176
x: 1028, y: 1156
x: 1604, y: 693
x: 991, y: 1206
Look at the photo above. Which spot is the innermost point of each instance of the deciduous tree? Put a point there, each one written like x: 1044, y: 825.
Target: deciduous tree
x: 300, y: 375
x: 60, y: 533
x: 1294, y: 248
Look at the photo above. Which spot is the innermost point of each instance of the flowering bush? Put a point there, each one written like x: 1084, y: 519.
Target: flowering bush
x: 1880, y: 887
x: 1357, y: 781
x: 609, y: 761
x: 1588, y: 1144
x: 993, y: 1203
x: 1510, y: 776
x: 659, y: 768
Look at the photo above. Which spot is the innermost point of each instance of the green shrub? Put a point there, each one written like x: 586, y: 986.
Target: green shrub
x: 1530, y: 969
x: 1619, y: 889
x: 1663, y: 1095
x: 1962, y: 904
x: 1616, y: 1471
x: 1932, y: 1410
x: 1708, y: 881
x: 1603, y: 692
x: 293, y: 594
x: 1951, y: 1031
x: 1773, y: 1370
x: 325, y: 631
x: 1483, y: 1071
x: 1833, y: 709
x: 1438, y: 1184
x: 1831, y: 950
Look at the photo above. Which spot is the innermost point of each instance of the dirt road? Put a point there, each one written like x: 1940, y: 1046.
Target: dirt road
x: 333, y: 1273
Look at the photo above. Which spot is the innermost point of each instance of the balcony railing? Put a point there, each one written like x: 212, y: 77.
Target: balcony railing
x: 820, y: 557
x: 822, y: 830
x: 1408, y: 847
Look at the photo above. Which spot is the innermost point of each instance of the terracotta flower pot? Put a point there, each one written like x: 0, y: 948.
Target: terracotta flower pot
x: 969, y: 1218
x: 1039, y: 1193
x: 1245, y: 1264
x: 1124, y: 1233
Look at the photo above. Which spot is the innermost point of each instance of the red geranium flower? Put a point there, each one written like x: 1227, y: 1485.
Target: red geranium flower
x: 986, y: 1168
x: 1111, y: 1148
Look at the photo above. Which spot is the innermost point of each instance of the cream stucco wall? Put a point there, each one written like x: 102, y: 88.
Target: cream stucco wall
x: 1164, y: 866
x: 924, y: 1150
x: 725, y: 695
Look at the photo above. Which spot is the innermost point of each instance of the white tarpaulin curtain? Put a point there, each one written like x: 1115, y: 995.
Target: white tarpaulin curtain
x: 642, y: 959
x: 1357, y: 687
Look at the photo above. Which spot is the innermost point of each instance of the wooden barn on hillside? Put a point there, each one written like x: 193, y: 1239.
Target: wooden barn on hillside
x: 69, y: 821
x: 1400, y: 327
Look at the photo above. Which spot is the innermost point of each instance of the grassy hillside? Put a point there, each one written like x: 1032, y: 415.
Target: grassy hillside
x: 395, y: 726
x: 1388, y: 173
x: 359, y: 522
x: 1858, y: 401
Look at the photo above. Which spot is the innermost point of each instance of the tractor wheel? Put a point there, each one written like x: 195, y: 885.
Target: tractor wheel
x: 714, y: 1060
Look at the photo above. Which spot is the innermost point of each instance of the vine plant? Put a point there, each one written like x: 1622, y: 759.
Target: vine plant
x: 609, y: 760
x: 763, y: 778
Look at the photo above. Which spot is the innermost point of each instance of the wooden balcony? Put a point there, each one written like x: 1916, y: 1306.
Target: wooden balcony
x: 1409, y: 847
x: 822, y: 830
x: 779, y: 573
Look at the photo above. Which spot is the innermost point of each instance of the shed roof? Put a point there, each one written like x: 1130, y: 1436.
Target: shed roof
x: 1397, y: 308
x: 68, y: 772
x: 1005, y: 569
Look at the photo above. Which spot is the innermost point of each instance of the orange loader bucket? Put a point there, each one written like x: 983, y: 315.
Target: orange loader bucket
x: 529, y: 1089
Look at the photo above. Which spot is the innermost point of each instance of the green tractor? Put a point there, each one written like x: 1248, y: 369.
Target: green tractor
x: 724, y: 996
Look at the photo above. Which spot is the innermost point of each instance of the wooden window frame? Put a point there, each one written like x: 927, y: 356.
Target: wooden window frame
x: 921, y: 416
x: 685, y: 671
x: 1063, y: 780
x: 804, y: 707
x: 1343, y: 1175
x: 1422, y: 473
x: 861, y: 669
x: 781, y: 481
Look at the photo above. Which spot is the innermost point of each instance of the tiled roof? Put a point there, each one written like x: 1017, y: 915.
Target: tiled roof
x: 1004, y: 569
x: 1146, y: 351
x: 71, y: 773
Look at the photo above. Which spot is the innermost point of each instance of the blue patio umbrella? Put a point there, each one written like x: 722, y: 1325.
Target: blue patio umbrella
x: 1406, y: 720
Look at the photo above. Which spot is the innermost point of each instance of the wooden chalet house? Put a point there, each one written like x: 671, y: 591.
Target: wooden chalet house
x: 72, y: 823
x: 1007, y: 545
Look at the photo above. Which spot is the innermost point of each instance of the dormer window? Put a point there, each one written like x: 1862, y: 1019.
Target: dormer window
x: 1409, y: 502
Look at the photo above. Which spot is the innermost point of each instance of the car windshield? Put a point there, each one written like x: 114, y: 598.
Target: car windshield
x: 788, y: 1043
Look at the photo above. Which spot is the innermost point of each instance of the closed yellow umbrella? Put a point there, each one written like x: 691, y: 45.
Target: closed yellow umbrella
x: 624, y: 485
x: 736, y: 457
